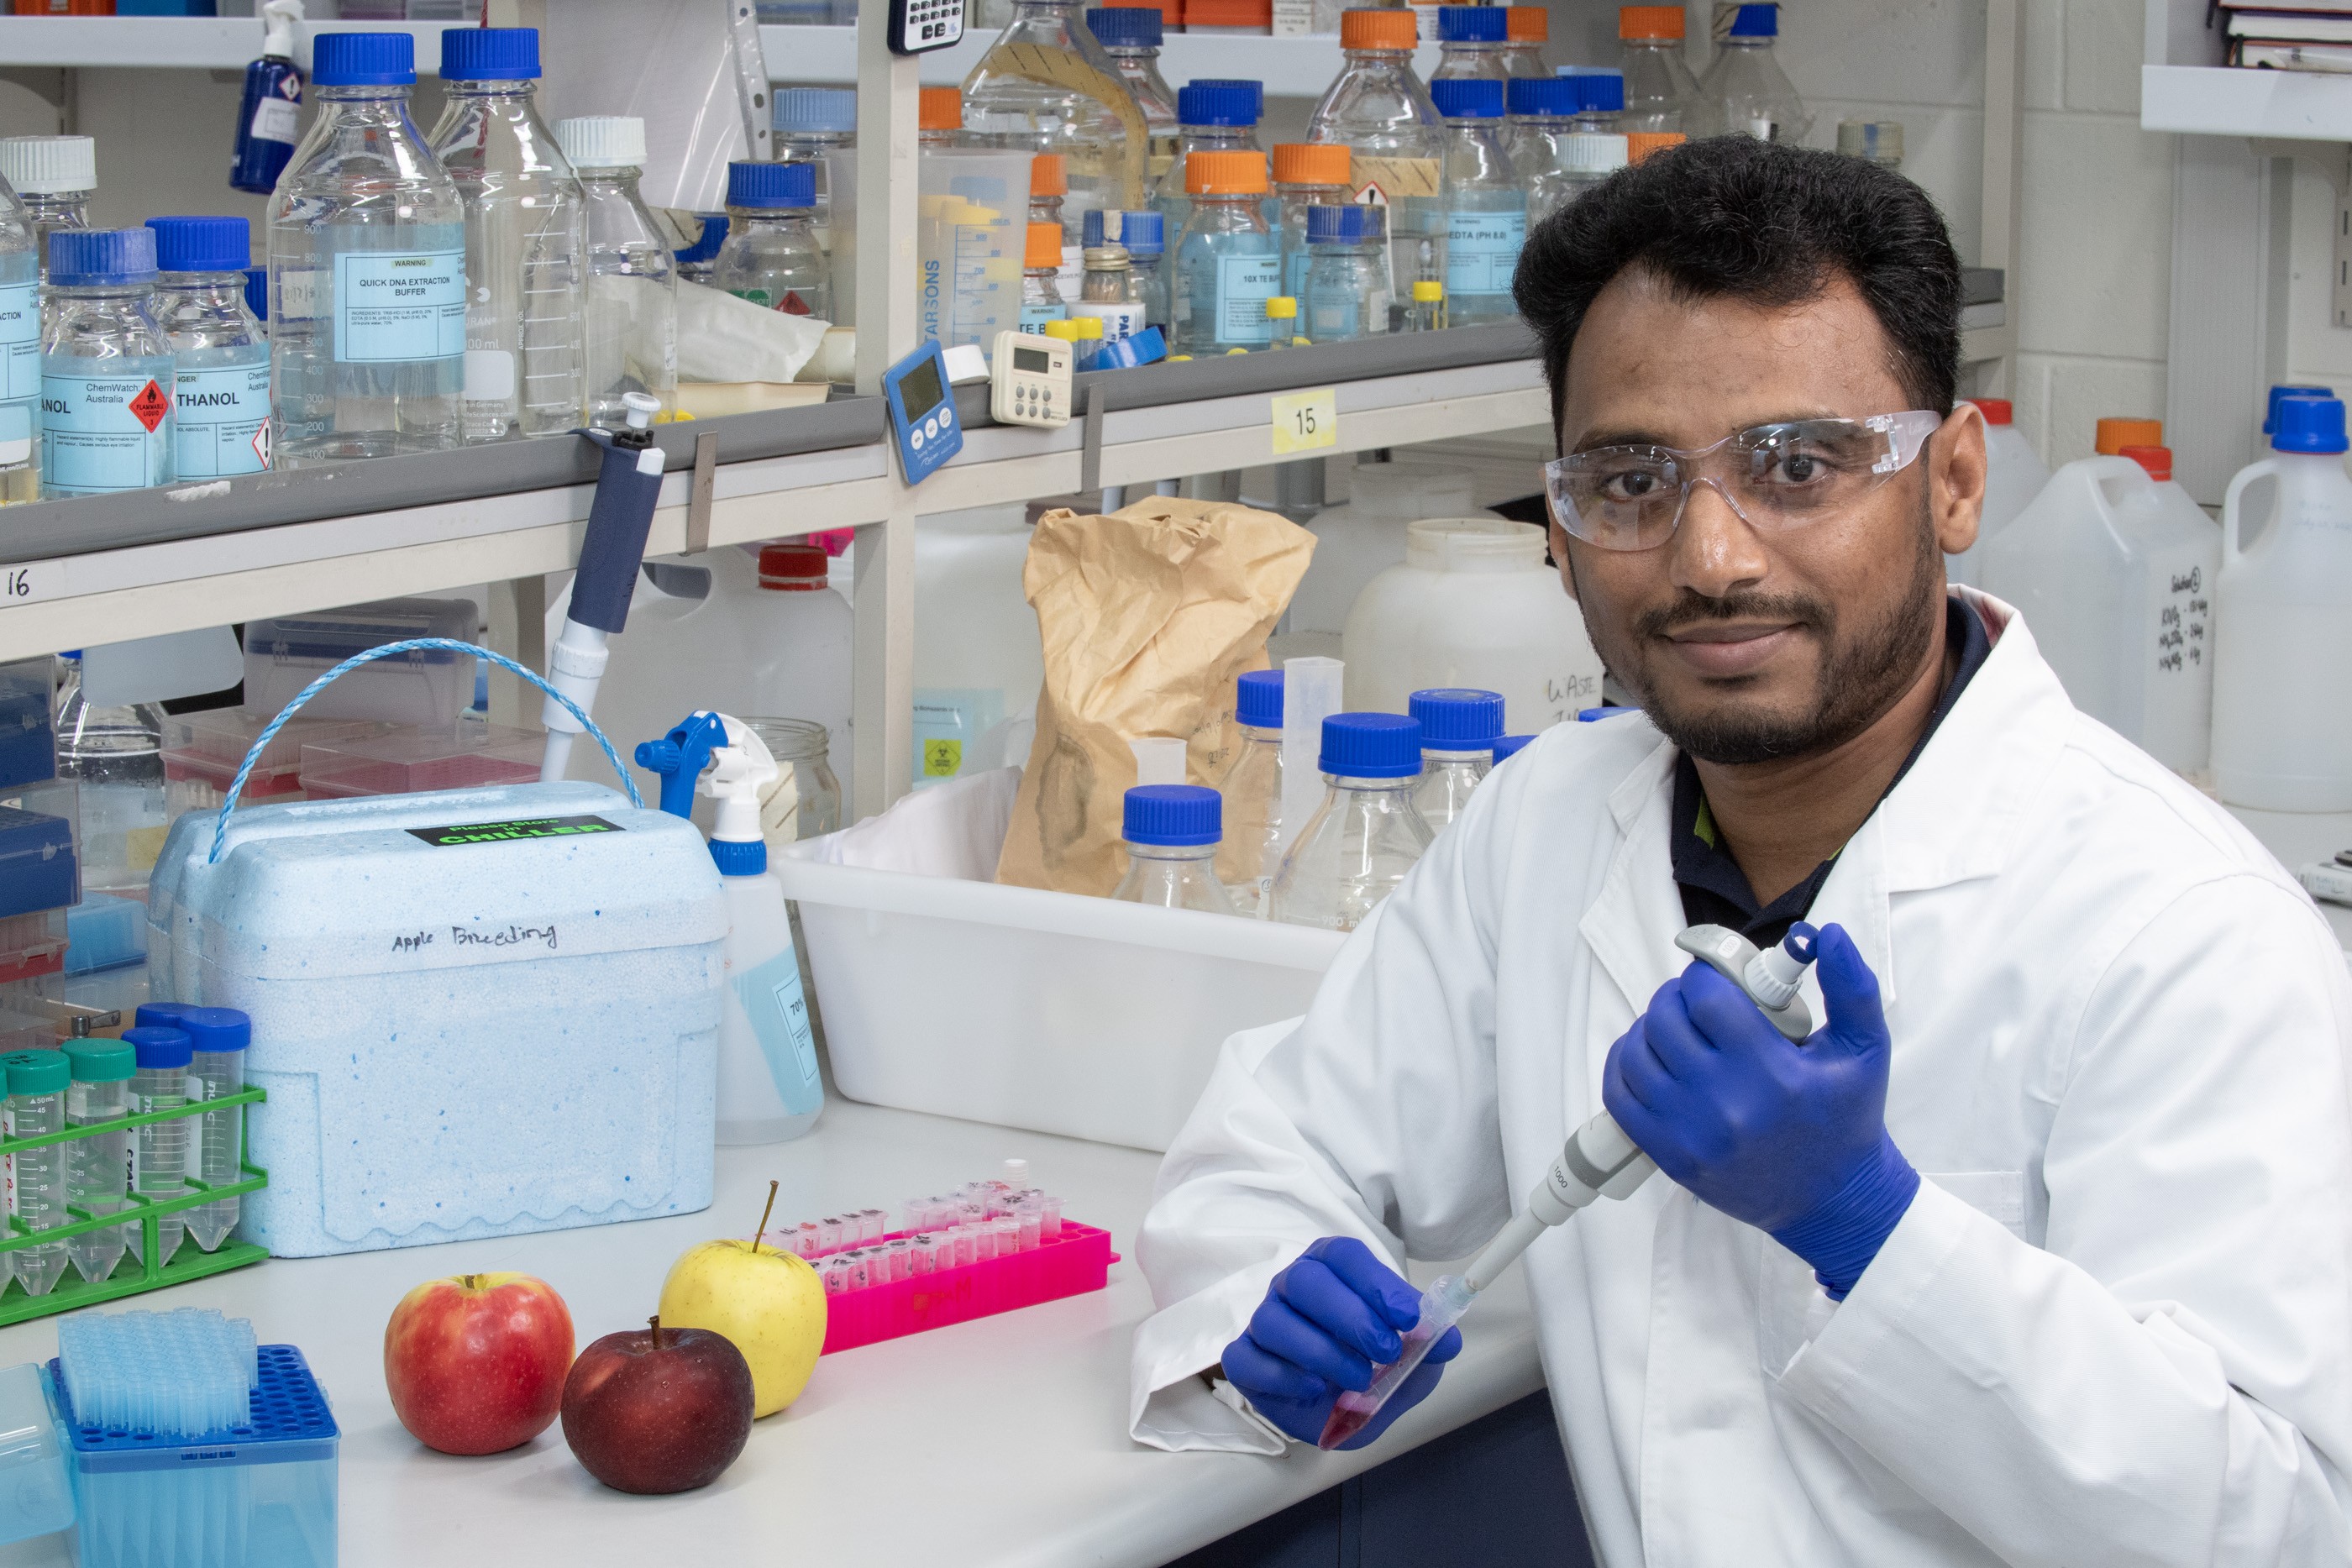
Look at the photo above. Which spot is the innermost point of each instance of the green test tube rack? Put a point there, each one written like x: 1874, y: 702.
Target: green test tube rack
x: 129, y: 1278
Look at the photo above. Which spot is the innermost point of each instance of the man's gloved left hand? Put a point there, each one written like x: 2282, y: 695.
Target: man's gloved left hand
x: 1789, y: 1137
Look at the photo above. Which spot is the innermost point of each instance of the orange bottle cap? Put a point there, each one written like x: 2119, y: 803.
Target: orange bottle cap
x: 1311, y: 163
x: 1640, y: 144
x: 1044, y: 249
x: 1390, y: 27
x: 1049, y: 175
x: 1528, y: 24
x: 1649, y: 21
x: 939, y: 108
x: 2115, y: 435
x: 1996, y: 410
x: 1229, y: 14
x: 2156, y: 460
x: 1233, y: 173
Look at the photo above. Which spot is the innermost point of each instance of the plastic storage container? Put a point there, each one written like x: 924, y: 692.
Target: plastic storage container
x: 2114, y: 573
x: 2281, y: 737
x: 35, y: 1497
x: 28, y: 741
x: 426, y: 686
x: 972, y: 207
x: 979, y: 660
x: 411, y: 761
x: 203, y: 751
x: 1363, y: 536
x: 1473, y: 605
x: 1070, y: 1014
x: 2015, y: 474
x: 478, y: 1013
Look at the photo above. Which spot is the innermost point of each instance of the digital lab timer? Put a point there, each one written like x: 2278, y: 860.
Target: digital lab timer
x: 1029, y: 382
x: 918, y: 26
x: 922, y: 414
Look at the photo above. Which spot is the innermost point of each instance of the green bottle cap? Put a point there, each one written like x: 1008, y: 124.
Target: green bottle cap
x: 99, y: 1061
x: 36, y: 1071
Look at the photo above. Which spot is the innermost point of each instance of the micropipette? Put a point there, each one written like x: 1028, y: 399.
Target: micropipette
x: 1599, y: 1162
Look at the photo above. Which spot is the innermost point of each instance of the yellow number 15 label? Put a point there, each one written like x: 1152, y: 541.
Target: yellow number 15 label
x: 1305, y: 420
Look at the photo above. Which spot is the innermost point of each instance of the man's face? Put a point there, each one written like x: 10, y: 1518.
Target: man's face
x: 1748, y: 645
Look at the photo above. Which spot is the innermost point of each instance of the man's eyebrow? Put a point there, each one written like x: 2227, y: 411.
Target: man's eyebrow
x: 1635, y: 436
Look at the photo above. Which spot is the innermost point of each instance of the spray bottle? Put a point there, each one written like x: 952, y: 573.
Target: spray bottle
x: 273, y: 103
x: 769, y: 1089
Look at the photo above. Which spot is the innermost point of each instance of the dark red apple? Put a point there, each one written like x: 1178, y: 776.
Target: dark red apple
x: 658, y: 1410
x: 475, y: 1363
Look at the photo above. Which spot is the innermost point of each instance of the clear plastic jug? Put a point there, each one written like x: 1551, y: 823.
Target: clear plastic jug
x: 2282, y: 715
x: 2114, y: 573
x: 2014, y: 475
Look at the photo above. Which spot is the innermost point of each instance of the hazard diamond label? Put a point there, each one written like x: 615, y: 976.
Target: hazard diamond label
x: 151, y: 405
x: 261, y: 443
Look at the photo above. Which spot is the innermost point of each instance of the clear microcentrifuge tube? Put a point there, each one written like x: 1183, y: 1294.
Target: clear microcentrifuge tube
x: 836, y: 1276
x: 967, y: 1245
x: 1051, y: 1230
x: 829, y: 1233
x: 1033, y: 1226
x: 920, y: 1252
x: 872, y: 1223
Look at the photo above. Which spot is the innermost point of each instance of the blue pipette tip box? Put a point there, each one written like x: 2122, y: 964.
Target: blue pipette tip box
x: 104, y: 932
x: 28, y: 745
x: 283, y: 1508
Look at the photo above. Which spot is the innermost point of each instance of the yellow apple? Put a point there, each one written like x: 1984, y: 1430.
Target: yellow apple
x: 770, y: 1303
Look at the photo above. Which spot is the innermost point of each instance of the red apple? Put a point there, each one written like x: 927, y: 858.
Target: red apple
x: 475, y: 1363
x: 657, y: 1409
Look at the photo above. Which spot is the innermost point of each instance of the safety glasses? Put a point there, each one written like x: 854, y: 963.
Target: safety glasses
x: 1777, y: 477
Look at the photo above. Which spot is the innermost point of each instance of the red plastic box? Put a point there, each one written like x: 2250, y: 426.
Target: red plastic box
x: 1073, y: 1263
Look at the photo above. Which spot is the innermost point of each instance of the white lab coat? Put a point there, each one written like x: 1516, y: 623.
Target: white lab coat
x: 2115, y: 1325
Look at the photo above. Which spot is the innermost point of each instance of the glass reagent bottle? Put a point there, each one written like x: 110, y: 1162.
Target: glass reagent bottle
x: 1172, y: 832
x: 631, y: 300
x: 1459, y: 726
x: 771, y: 255
x: 106, y: 369
x: 1366, y: 834
x: 1486, y: 208
x: 220, y: 354
x: 1252, y: 792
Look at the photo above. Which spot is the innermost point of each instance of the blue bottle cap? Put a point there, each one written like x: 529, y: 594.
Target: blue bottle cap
x: 162, y: 1047
x: 1257, y: 699
x: 1472, y: 25
x: 217, y: 1028
x: 1371, y: 745
x: 490, y: 54
x: 736, y: 857
x: 1555, y: 96
x: 1256, y: 89
x: 1143, y: 348
x: 1468, y: 98
x: 1173, y: 814
x: 1336, y: 222
x: 1509, y: 746
x: 202, y: 245
x: 1143, y: 233
x: 1090, y: 221
x: 256, y: 292
x: 365, y: 60
x: 2306, y: 424
x: 1216, y: 103
x: 770, y: 186
x: 706, y: 244
x: 86, y: 258
x: 1125, y: 26
x: 161, y: 1015
x: 1457, y: 718
x: 1756, y: 22
x: 1600, y: 91
x: 2270, y: 411
x: 830, y: 110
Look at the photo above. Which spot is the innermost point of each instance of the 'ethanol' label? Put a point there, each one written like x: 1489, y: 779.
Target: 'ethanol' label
x: 221, y: 412
x: 20, y: 340
x: 102, y: 434
x: 394, y: 307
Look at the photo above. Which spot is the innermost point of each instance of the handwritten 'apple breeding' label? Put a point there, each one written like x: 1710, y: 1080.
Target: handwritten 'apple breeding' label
x: 521, y: 829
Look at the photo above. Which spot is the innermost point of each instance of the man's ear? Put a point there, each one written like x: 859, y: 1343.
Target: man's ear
x: 1957, y: 467
x: 1559, y: 536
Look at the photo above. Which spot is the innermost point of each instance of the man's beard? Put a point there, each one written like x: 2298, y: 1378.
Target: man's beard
x: 1860, y: 679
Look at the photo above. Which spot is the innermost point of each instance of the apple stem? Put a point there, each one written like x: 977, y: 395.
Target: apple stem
x: 654, y: 1323
x: 762, y: 1231
x: 472, y: 1282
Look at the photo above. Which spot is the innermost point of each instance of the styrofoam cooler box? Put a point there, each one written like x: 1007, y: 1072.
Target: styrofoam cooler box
x: 945, y: 992
x: 477, y: 1013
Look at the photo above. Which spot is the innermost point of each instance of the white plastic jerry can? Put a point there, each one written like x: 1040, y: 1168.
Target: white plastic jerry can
x: 2115, y: 572
x: 2282, y: 708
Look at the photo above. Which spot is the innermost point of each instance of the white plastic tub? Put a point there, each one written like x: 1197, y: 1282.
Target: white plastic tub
x: 1053, y: 1011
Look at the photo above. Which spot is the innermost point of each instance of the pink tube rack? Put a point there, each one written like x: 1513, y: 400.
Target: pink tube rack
x: 1073, y: 1263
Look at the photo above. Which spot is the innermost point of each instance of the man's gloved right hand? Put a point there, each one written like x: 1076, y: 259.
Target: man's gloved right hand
x: 1327, y: 1320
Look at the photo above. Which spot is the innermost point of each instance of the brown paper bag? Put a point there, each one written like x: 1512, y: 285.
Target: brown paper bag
x: 1149, y: 616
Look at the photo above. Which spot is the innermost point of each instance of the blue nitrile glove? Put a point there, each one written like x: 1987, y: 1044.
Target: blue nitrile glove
x: 1791, y: 1138
x: 1327, y: 1320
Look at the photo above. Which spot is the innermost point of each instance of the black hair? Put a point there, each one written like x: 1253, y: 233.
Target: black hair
x: 1762, y: 222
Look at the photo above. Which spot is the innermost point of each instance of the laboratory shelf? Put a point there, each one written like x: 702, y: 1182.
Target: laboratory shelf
x: 1290, y: 68
x: 2230, y: 101
x: 186, y: 43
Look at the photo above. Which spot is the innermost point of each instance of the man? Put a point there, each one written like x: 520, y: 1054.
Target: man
x: 2039, y: 1252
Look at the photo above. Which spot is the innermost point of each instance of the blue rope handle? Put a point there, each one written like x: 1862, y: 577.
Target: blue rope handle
x: 261, y: 744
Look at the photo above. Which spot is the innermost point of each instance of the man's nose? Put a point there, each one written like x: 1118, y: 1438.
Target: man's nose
x: 1715, y: 553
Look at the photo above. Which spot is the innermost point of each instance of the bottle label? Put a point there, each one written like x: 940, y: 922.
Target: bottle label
x: 274, y: 118
x: 222, y: 415
x: 1035, y: 316
x: 777, y: 1009
x: 1245, y: 283
x: 950, y: 725
x: 394, y: 307
x: 1482, y: 251
x: 1119, y: 321
x: 20, y: 340
x: 102, y: 434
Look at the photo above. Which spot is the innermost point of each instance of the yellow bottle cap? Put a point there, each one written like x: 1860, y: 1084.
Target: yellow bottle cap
x: 1427, y: 291
x: 1066, y: 330
x: 1088, y: 326
x: 1281, y: 308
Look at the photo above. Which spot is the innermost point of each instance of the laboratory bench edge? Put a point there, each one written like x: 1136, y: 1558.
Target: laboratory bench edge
x: 1001, y: 1442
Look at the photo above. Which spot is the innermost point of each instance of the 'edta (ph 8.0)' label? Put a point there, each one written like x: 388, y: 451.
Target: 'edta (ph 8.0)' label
x: 403, y: 305
x: 1482, y: 251
x: 516, y: 831
x: 106, y: 425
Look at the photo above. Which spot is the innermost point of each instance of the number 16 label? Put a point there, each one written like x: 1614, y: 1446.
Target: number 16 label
x: 1305, y: 420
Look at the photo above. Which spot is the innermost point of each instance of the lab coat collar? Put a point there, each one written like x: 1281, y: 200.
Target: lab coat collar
x: 1952, y: 818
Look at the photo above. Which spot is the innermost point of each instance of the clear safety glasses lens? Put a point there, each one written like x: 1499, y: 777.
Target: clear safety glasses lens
x: 1776, y: 476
